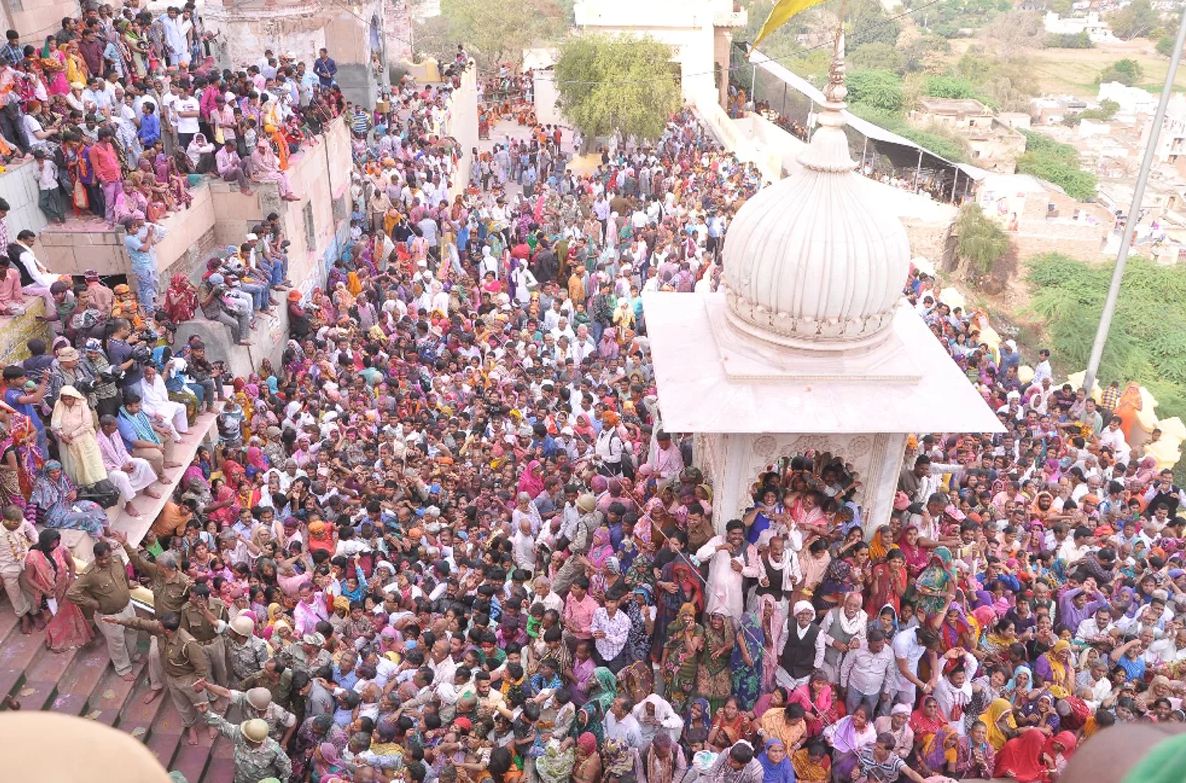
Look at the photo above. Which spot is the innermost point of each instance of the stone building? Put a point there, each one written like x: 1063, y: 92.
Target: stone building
x: 355, y: 32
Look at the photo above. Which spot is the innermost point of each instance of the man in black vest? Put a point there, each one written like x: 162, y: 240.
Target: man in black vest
x: 804, y: 649
x: 1163, y: 493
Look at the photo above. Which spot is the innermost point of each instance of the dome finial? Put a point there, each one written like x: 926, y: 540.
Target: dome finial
x: 828, y: 149
x: 836, y: 91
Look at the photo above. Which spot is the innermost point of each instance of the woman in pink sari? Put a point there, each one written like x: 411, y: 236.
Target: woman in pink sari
x: 49, y: 572
x: 531, y: 480
x: 818, y: 700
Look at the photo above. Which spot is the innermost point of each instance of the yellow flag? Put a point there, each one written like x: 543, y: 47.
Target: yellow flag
x: 781, y: 13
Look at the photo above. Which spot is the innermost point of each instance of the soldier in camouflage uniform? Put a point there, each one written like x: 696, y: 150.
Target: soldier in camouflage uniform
x: 256, y: 703
x: 257, y: 756
x: 246, y: 653
x: 307, y: 655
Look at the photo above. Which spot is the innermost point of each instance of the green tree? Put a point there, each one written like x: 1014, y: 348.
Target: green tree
x: 952, y: 18
x: 869, y: 23
x: 617, y: 84
x: 1127, y: 71
x: 1060, y: 7
x: 980, y: 243
x: 877, y: 56
x: 1070, y: 41
x: 948, y: 87
x: 879, y: 89
x: 1135, y: 20
x: 1056, y: 163
x: 493, y: 32
x: 1165, y: 45
x: 1147, y: 342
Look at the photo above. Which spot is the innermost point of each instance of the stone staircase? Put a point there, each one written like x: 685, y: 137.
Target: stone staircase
x: 83, y: 682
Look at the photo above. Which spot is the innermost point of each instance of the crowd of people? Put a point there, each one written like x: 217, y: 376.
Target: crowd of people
x: 927, y: 180
x: 445, y: 537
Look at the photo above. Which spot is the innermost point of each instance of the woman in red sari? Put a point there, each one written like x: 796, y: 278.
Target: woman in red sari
x: 49, y: 572
x: 917, y: 557
x: 1034, y: 757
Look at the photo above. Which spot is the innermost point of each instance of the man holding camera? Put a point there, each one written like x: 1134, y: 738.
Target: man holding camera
x: 210, y: 299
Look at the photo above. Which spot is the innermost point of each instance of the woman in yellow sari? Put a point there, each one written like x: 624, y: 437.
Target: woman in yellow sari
x: 76, y: 70
x: 1002, y: 726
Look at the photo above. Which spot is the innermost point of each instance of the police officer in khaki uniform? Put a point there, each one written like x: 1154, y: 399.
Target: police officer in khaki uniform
x: 206, y: 619
x: 184, y: 662
x: 170, y: 592
x: 101, y: 592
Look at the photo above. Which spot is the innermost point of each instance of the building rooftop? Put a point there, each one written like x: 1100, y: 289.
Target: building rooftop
x: 953, y: 106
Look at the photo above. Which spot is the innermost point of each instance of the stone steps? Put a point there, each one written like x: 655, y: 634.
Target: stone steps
x: 82, y: 682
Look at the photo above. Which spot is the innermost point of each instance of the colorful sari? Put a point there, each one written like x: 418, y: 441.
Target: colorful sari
x: 679, y: 663
x: 48, y: 577
x: 747, y: 676
x: 714, y: 680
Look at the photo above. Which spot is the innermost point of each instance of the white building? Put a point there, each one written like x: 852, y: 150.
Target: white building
x: 1132, y: 100
x: 699, y: 31
x: 1097, y: 29
x: 809, y: 348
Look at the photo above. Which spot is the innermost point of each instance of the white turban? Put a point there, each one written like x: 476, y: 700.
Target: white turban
x: 804, y: 606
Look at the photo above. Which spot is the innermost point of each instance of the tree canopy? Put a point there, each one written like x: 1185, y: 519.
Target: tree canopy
x: 1135, y: 20
x: 493, y: 32
x: 617, y: 84
x: 1127, y: 71
x: 879, y: 89
x: 1147, y: 342
x: 980, y: 244
x: 1057, y: 163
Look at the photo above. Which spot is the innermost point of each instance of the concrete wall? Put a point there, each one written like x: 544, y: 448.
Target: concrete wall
x: 547, y: 99
x: 688, y: 26
x: 219, y: 216
x: 35, y: 19
x: 463, y: 125
x: 18, y: 186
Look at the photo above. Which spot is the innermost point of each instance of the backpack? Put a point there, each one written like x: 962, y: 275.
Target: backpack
x: 102, y: 492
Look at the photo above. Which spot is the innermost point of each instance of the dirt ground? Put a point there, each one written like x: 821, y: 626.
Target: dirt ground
x: 1074, y: 71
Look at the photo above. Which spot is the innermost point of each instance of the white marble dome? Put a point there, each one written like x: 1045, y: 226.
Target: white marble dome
x: 817, y: 260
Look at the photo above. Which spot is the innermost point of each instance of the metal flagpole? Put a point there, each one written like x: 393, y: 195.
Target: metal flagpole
x: 1138, y: 194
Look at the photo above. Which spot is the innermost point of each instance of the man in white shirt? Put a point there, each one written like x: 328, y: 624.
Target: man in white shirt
x: 1113, y: 438
x: 621, y: 725
x: 909, y: 647
x: 610, y: 629
x: 32, y: 270
x: 583, y: 347
x: 1042, y: 370
x: 186, y: 109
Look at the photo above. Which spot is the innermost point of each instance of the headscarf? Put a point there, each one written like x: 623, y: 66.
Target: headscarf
x: 529, y: 482
x: 587, y: 744
x: 1058, y: 669
x: 990, y: 717
x: 782, y: 772
x: 607, y: 687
